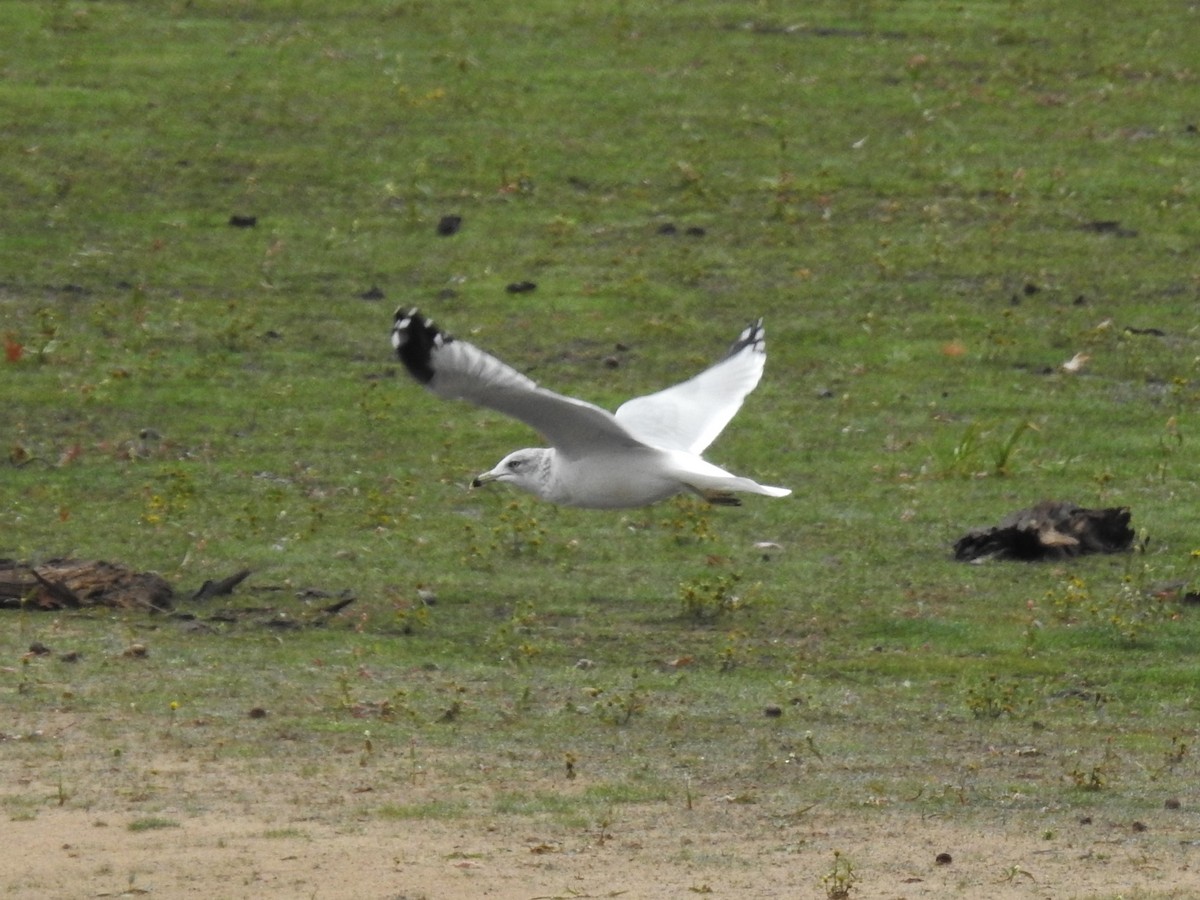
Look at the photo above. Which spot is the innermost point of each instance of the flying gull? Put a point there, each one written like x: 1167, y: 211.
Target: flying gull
x: 647, y: 451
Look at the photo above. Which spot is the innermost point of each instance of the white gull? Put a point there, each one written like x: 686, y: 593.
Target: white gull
x: 648, y: 451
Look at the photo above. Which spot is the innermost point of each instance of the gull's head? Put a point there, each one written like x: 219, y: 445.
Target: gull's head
x: 528, y: 470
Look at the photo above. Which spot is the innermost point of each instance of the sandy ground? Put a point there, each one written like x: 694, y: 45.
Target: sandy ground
x: 228, y: 835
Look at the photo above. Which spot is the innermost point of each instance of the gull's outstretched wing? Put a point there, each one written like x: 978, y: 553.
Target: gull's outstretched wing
x: 689, y: 416
x: 455, y: 369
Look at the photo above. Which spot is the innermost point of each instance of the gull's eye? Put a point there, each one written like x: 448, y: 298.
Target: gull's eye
x: 514, y: 464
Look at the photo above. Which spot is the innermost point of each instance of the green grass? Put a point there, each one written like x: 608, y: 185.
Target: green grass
x: 151, y: 824
x: 908, y: 195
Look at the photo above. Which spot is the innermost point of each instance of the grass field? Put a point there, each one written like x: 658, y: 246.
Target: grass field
x: 934, y: 207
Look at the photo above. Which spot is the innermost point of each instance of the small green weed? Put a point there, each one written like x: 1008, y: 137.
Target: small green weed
x: 734, y: 651
x: 1170, y: 442
x: 46, y: 342
x: 1068, y: 601
x: 1090, y: 779
x: 518, y: 530
x: 513, y: 639
x: 1012, y: 873
x: 963, y: 459
x: 841, y: 878
x: 1180, y: 750
x: 1098, y: 776
x: 477, y: 550
x: 412, y: 614
x: 994, y: 698
x: 618, y: 707
x: 61, y: 793
x: 690, y: 521
x: 709, y: 596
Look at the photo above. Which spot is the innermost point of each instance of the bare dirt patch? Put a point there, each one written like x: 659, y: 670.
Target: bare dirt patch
x: 193, y: 825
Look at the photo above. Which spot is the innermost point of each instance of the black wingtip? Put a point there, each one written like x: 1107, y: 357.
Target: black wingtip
x: 753, y: 335
x: 414, y: 338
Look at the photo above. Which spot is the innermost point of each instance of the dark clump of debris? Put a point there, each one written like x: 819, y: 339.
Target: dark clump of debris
x: 1052, y: 529
x: 74, y: 583
x: 60, y: 584
x: 449, y: 225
